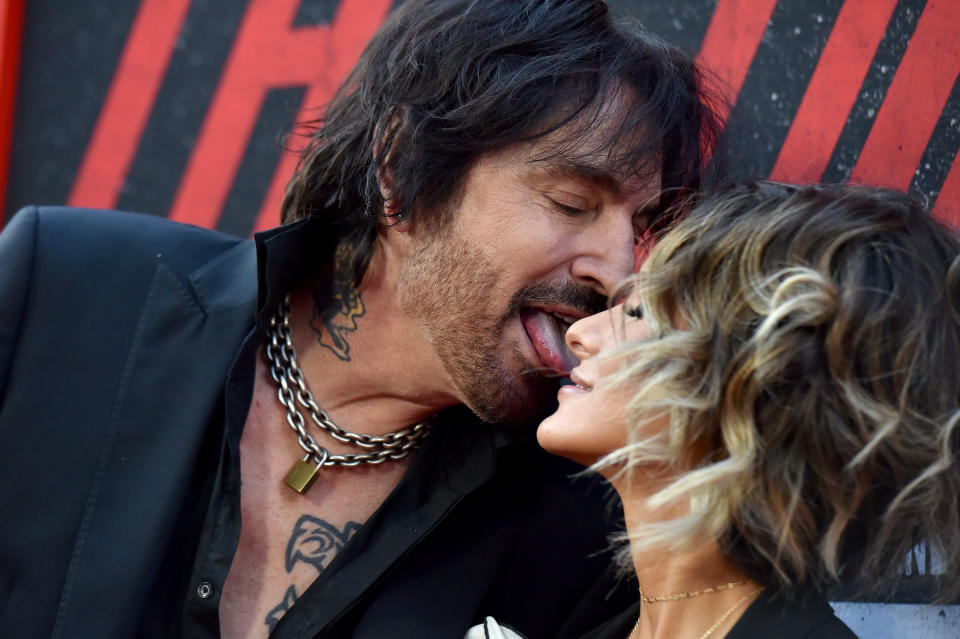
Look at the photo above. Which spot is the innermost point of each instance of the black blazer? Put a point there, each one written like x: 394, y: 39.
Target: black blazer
x: 143, y: 317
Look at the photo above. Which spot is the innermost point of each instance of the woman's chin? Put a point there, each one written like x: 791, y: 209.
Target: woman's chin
x: 546, y: 435
x: 560, y: 441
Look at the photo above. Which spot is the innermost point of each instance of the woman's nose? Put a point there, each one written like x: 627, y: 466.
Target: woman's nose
x: 586, y: 337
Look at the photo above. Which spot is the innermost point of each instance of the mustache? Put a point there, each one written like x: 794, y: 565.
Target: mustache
x: 565, y: 293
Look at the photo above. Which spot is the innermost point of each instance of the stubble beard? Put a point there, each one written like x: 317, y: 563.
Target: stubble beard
x: 449, y: 287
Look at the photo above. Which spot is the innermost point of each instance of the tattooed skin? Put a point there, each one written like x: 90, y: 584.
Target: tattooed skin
x: 274, y: 615
x: 313, y: 542
x: 336, y: 306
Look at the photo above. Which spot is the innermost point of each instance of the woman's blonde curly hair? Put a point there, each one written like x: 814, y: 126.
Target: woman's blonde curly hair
x: 805, y: 342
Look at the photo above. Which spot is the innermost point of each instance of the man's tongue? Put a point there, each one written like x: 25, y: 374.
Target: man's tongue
x: 547, y: 339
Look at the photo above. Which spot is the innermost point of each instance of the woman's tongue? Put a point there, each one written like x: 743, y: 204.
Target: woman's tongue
x: 546, y: 336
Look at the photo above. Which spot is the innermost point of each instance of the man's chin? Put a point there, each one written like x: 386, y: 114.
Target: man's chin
x: 527, y: 405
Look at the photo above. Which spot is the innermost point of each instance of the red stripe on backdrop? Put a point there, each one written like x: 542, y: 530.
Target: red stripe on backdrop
x: 354, y: 25
x: 833, y: 90
x: 915, y: 100
x: 267, y: 54
x: 731, y: 42
x: 128, y: 103
x: 11, y: 35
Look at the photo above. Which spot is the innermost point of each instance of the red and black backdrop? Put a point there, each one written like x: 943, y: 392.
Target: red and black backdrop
x: 178, y: 107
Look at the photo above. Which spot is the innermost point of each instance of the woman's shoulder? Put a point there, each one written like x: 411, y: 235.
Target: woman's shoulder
x: 789, y: 618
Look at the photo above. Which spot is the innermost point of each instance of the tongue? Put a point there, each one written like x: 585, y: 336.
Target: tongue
x: 547, y: 339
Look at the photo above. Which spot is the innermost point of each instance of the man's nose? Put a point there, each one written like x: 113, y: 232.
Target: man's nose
x: 606, y: 255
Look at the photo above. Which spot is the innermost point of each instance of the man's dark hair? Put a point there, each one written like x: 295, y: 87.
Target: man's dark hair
x: 444, y: 81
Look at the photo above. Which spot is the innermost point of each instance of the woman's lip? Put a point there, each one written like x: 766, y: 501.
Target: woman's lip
x: 570, y: 389
x: 579, y: 381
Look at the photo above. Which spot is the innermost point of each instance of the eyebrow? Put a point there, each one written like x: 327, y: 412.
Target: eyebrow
x: 587, y: 173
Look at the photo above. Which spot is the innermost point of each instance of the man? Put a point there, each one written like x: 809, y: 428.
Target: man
x: 478, y: 183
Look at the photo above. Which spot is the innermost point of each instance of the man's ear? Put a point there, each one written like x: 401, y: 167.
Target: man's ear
x: 395, y: 214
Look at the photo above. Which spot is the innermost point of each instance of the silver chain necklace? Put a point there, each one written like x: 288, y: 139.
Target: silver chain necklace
x: 292, y: 390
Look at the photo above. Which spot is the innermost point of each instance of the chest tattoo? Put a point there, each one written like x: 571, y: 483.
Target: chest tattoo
x: 315, y: 542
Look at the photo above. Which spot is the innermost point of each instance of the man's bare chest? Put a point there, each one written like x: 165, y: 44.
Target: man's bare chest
x: 286, y: 539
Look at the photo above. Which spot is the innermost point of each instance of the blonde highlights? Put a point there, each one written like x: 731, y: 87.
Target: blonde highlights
x: 804, y: 342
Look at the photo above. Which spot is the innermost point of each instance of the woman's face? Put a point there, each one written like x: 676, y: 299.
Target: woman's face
x: 590, y: 420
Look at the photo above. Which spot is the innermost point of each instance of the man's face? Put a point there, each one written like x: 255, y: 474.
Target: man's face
x: 530, y: 247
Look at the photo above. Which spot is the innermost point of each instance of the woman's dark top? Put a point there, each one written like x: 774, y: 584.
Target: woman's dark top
x: 768, y: 616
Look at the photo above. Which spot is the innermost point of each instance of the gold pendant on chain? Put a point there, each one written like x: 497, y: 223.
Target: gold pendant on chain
x: 302, y: 475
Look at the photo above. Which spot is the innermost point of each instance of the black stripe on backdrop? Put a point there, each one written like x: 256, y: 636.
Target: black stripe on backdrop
x: 68, y: 56
x: 682, y: 23
x: 941, y: 149
x: 311, y: 12
x: 776, y: 83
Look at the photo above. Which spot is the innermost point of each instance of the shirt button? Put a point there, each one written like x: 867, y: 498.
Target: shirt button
x: 204, y: 590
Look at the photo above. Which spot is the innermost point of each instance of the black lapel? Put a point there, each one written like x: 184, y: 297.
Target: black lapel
x: 187, y: 335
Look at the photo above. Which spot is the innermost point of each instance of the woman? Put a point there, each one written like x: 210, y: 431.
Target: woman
x: 776, y: 404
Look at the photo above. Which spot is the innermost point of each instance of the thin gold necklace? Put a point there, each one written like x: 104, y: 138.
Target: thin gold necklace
x: 723, y: 617
x: 692, y: 593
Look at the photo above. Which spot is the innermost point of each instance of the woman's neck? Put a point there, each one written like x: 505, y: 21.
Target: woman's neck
x: 693, y: 587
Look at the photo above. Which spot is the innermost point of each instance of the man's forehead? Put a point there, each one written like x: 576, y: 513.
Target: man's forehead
x: 605, y: 137
x: 596, y: 157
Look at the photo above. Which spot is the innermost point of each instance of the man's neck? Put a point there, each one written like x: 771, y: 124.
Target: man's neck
x: 367, y: 365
